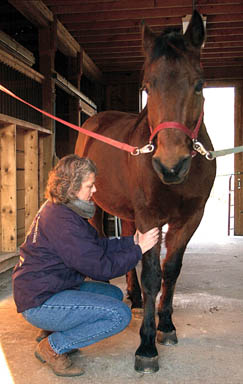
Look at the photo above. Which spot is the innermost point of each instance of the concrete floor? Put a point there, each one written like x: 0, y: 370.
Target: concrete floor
x: 208, y: 314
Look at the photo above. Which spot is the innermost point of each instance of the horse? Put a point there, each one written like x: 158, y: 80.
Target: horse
x: 168, y: 185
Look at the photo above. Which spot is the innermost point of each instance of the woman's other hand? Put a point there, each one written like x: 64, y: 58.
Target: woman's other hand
x: 147, y: 240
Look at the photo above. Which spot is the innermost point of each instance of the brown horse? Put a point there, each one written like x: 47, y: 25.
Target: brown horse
x: 167, y: 186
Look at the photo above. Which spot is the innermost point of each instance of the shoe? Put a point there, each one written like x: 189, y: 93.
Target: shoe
x: 61, y: 365
x: 43, y: 334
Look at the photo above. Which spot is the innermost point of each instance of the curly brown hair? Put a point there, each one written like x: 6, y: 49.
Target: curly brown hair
x: 66, y: 177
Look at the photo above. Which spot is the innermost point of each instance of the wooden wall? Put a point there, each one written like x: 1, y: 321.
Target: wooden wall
x: 21, y: 182
x: 122, y: 92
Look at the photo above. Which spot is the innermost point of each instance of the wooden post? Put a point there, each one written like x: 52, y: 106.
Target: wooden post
x: 31, y: 176
x: 74, y: 76
x: 8, y: 188
x: 47, y: 50
x: 238, y: 187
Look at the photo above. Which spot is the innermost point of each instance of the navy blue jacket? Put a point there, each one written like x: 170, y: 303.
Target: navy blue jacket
x: 60, y: 250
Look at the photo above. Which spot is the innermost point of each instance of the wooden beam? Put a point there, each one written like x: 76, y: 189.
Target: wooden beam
x: 85, y: 24
x: 6, y: 119
x: 79, y: 7
x: 36, y: 12
x: 8, y: 188
x: 65, y: 42
x: 41, y: 16
x: 18, y: 51
x: 8, y: 59
x: 151, y: 12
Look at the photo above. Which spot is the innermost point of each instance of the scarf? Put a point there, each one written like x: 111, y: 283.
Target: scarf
x: 83, y: 208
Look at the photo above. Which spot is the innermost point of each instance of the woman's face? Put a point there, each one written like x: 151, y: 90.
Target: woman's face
x: 87, y: 188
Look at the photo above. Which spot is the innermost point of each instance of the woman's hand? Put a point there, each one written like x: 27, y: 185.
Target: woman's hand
x: 146, y: 240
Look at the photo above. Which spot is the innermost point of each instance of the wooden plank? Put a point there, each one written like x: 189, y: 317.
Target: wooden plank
x: 20, y: 140
x: 20, y: 179
x: 31, y: 176
x: 8, y: 187
x: 22, y: 123
x: 152, y: 12
x: 20, y: 198
x: 0, y: 197
x: 20, y: 218
x: 20, y: 159
x: 18, y: 51
x: 8, y: 260
x: 42, y: 17
x: 8, y: 59
x: 20, y: 236
x: 37, y: 12
x: 41, y: 171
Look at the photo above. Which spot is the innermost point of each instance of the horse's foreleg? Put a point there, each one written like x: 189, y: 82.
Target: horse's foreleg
x: 146, y: 359
x: 177, y: 239
x: 133, y: 287
x: 170, y: 271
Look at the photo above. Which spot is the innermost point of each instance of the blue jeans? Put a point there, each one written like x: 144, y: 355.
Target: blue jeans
x: 81, y: 317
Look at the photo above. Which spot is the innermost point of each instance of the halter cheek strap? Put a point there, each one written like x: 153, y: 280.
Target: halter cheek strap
x: 174, y: 124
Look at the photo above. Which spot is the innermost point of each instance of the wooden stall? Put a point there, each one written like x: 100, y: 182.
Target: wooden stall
x: 22, y: 153
x: 48, y: 77
x: 21, y: 162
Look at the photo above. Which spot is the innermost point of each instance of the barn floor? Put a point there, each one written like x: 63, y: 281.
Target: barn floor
x: 208, y: 314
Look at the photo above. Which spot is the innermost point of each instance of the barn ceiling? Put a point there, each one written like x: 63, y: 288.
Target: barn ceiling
x: 109, y: 30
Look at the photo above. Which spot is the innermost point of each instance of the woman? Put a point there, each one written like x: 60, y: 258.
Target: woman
x: 60, y: 250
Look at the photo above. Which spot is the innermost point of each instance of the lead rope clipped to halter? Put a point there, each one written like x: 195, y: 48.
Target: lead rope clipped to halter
x: 135, y: 151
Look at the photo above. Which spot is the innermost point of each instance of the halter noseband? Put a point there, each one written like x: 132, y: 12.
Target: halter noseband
x: 174, y: 124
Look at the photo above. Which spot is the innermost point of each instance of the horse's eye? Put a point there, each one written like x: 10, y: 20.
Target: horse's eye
x: 146, y: 88
x: 199, y: 87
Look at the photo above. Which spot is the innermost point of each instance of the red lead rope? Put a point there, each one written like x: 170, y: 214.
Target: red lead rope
x: 107, y: 140
x: 123, y: 146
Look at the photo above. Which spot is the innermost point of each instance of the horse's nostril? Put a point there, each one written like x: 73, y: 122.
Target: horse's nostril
x: 175, y: 174
x: 161, y: 168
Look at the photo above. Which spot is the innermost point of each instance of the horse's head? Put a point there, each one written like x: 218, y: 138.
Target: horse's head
x: 173, y: 80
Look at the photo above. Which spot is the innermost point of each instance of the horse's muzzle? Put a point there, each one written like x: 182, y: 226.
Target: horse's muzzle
x: 174, y: 175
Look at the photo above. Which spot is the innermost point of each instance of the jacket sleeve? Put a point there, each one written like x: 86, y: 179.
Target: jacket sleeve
x: 101, y: 259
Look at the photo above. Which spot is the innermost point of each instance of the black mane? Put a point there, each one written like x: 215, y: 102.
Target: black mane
x: 166, y: 43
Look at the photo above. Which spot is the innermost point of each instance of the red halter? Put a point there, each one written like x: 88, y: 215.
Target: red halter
x: 174, y: 124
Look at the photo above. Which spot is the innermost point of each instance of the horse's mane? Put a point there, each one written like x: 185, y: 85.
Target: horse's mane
x: 169, y: 44
x: 141, y: 116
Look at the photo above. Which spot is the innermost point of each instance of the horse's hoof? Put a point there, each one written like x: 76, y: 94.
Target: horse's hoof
x: 137, y: 313
x: 167, y: 338
x: 146, y: 364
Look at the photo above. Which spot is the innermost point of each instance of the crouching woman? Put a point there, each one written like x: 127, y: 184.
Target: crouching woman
x: 60, y: 250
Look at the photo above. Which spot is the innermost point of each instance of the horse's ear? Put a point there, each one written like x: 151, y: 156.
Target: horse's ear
x: 148, y: 38
x: 195, y: 33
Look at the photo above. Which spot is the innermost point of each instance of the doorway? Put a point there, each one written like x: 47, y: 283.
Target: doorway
x: 219, y: 120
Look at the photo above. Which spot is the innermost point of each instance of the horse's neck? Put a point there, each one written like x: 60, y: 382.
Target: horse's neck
x: 142, y: 116
x: 142, y: 120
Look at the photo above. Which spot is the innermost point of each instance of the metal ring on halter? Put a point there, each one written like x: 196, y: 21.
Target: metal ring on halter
x: 197, y: 146
x: 209, y: 156
x: 135, y: 152
x: 146, y: 149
